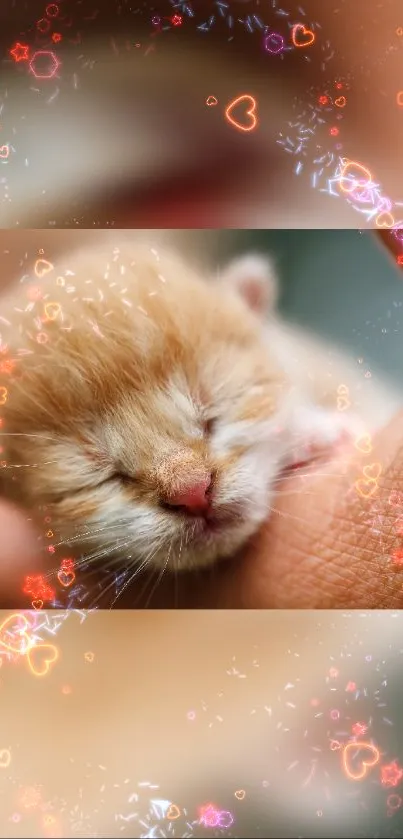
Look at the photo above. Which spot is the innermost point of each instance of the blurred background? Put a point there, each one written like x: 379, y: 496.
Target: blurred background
x: 104, y: 119
x: 344, y: 285
x: 250, y: 714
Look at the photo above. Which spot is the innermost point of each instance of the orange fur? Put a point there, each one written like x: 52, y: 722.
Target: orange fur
x: 126, y: 377
x: 106, y: 414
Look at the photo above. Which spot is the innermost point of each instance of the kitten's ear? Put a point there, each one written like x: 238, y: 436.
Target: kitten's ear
x: 255, y: 279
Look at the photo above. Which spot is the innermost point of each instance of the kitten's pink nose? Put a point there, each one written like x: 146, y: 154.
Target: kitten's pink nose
x: 194, y: 497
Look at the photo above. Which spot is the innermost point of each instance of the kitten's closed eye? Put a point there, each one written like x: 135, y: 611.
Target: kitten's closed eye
x: 166, y: 458
x: 209, y: 426
x: 123, y: 478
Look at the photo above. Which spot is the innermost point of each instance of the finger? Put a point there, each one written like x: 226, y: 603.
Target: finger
x: 19, y: 555
x: 318, y: 549
x: 326, y: 546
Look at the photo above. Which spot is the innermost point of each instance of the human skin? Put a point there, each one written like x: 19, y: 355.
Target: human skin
x: 318, y: 549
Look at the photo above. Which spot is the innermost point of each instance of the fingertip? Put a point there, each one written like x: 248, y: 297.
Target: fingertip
x: 19, y: 554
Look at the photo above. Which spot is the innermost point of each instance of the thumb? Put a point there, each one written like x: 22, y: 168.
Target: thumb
x: 19, y: 555
x: 334, y: 539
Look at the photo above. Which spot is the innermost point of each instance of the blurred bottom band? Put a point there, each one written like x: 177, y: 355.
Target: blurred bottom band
x: 201, y: 724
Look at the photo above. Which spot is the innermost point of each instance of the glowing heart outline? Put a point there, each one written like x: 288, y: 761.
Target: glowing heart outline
x: 372, y: 471
x: 366, y: 487
x: 211, y: 100
x: 299, y: 27
x: 385, y: 219
x: 47, y: 662
x: 250, y: 112
x: 173, y: 812
x: 240, y: 794
x: 366, y: 765
x: 11, y: 620
x: 42, y: 267
x: 363, y: 443
x: 66, y: 578
x: 52, y: 310
x: 356, y: 183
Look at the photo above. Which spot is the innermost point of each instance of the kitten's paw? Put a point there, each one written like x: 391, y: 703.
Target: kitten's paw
x: 317, y: 432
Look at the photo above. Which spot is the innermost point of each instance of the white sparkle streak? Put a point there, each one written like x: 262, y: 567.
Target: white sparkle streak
x: 310, y: 776
x: 96, y: 329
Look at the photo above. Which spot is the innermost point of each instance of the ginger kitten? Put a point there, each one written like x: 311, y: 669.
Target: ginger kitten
x: 148, y: 411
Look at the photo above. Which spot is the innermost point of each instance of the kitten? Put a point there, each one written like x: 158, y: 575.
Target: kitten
x: 147, y: 412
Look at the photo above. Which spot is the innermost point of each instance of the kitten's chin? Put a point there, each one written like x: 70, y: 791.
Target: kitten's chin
x: 213, y: 543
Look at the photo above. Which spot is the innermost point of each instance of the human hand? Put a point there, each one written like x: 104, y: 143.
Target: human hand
x: 18, y: 555
x: 325, y: 546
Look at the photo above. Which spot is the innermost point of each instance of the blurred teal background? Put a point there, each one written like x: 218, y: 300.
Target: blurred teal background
x: 342, y: 284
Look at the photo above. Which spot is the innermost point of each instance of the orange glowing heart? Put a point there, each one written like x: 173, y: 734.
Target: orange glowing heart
x: 348, y: 180
x: 385, y: 219
x: 41, y: 657
x: 66, y: 578
x: 52, y: 310
x: 5, y: 758
x: 89, y: 657
x: 366, y: 488
x: 211, y: 100
x: 42, y: 267
x: 173, y: 812
x: 37, y: 604
x: 240, y: 794
x: 361, y: 771
x: 10, y: 624
x: 301, y: 36
x: 364, y: 444
x: 340, y: 101
x: 372, y: 471
x: 250, y: 112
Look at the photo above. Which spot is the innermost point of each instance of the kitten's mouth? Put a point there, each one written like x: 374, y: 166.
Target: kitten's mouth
x: 213, y: 523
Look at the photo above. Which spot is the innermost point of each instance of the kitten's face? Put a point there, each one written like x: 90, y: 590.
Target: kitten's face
x: 143, y: 416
